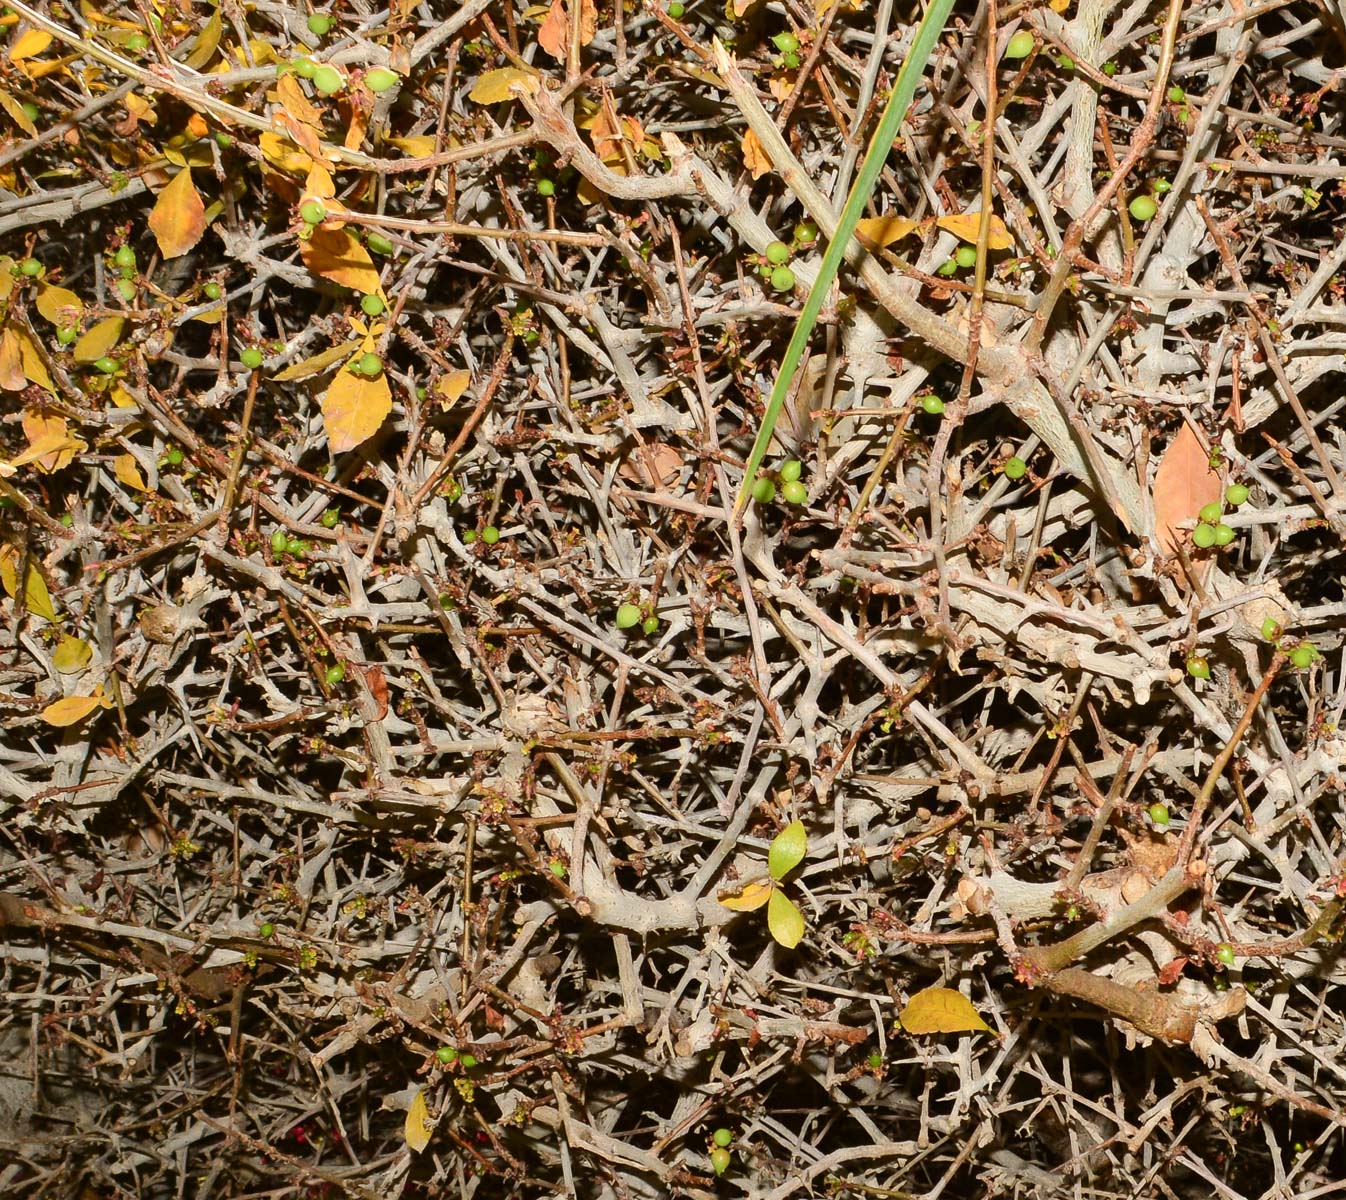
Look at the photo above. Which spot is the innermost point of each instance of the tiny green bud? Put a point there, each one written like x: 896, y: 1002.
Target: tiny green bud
x: 137, y: 43
x: 107, y: 364
x: 1271, y: 630
x: 174, y: 456
x: 790, y: 60
x: 30, y: 267
x: 223, y: 140
x: 875, y: 1061
x: 330, y: 518
x: 650, y: 625
x: 1225, y: 953
x: 785, y: 42
x: 948, y: 267
x: 213, y: 291
x: 1176, y: 95
x: 468, y: 1060
x: 806, y: 231
x: 932, y: 404
x: 125, y: 257
x: 267, y: 929
x: 280, y: 541
x: 66, y: 335
x: 1302, y: 656
x: 469, y: 536
x: 127, y: 289
x: 1161, y: 187
x: 676, y: 9
x: 546, y: 187
x: 335, y: 674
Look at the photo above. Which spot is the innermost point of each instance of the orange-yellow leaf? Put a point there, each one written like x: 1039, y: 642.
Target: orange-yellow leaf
x: 754, y: 155
x: 12, y: 378
x: 418, y: 145
x: 354, y: 408
x: 36, y: 598
x: 292, y: 98
x: 282, y: 153
x: 127, y: 471
x: 1183, y: 485
x: 966, y: 225
x: 554, y: 35
x: 941, y: 1010
x: 336, y: 255
x: 29, y: 44
x: 318, y: 363
x: 749, y: 897
x: 884, y: 231
x: 70, y: 710
x: 16, y: 113
x: 784, y: 920
x: 141, y: 109
x: 99, y: 339
x: 453, y: 385
x: 34, y: 367
x: 60, y: 306
x: 418, y: 1128
x: 71, y: 655
x: 179, y: 216
x: 319, y: 185
x: 122, y: 398
x: 49, y: 440
x: 493, y: 87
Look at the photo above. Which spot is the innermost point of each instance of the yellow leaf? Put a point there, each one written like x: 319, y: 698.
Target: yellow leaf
x: 49, y: 441
x: 60, y: 306
x: 318, y: 363
x: 319, y: 185
x: 1058, y: 6
x: 754, y: 156
x: 420, y: 145
x: 71, y: 655
x: 6, y: 276
x: 122, y: 398
x: 128, y: 472
x: 750, y: 897
x: 966, y: 225
x: 207, y: 42
x: 70, y: 710
x: 453, y: 385
x: 141, y: 109
x: 884, y: 231
x: 29, y: 44
x: 36, y: 598
x: 784, y: 920
x: 354, y: 408
x: 292, y: 98
x: 336, y: 255
x: 12, y: 378
x: 16, y: 113
x: 418, y: 1128
x: 282, y: 153
x: 179, y: 216
x: 34, y: 367
x: 493, y: 87
x: 941, y: 1010
x: 98, y: 340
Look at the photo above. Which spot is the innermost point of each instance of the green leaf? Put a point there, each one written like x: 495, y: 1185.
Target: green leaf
x: 908, y: 76
x: 941, y: 1010
x: 788, y: 850
x: 784, y: 919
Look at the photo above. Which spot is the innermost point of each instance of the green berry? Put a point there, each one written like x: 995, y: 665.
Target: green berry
x: 297, y: 547
x: 948, y: 267
x: 1223, y: 534
x: 723, y: 1137
x: 174, y: 456
x: 1158, y: 813
x: 68, y: 520
x: 782, y: 279
x: 791, y: 469
x: 628, y: 615
x: 720, y: 1159
x: 1020, y: 45
x: 1015, y: 468
x: 806, y: 231
x: 109, y: 366
x: 137, y: 43
x: 1065, y: 62
x: 320, y: 24
x: 455, y: 491
x: 252, y: 358
x: 790, y: 61
x: 1210, y: 513
x: 267, y: 929
x: 213, y: 290
x: 490, y: 535
x: 763, y: 491
x: 127, y: 289
x: 1143, y: 208
x: 468, y: 1060
x: 1109, y: 69
x: 280, y: 541
x: 305, y: 68
x: 1198, y: 667
x: 125, y: 257
x: 328, y: 80
x: 31, y: 110
x: 1237, y: 494
x: 1225, y: 953
x: 369, y: 364
x: 1203, y: 536
x: 313, y: 212
x: 379, y: 244
x: 650, y: 624
x: 794, y: 492
x: 932, y: 404
x: 676, y: 9
x: 1161, y: 187
x: 965, y: 256
x: 1302, y: 656
x: 875, y: 1061
x: 546, y: 187
x: 380, y: 79
x: 1271, y: 629
x: 30, y: 267
x: 469, y: 536
x: 66, y: 335
x: 777, y: 254
x: 1176, y: 95
x: 330, y: 518
x: 786, y: 42
x: 447, y: 1055
x: 372, y: 306
x: 223, y: 141
x: 335, y: 674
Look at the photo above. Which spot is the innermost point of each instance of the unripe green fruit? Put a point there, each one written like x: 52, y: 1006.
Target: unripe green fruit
x: 223, y: 141
x: 676, y: 9
x: 1225, y: 953
x: 1271, y: 630
x: 875, y: 1061
x: 468, y: 1060
x: 335, y: 674
x: 1142, y: 208
x: 965, y: 256
x: 720, y: 1159
x: 137, y: 43
x: 785, y: 42
x: 297, y: 547
x: 328, y: 80
x: 723, y: 1137
x: 368, y: 364
x: 1211, y: 512
x: 933, y: 405
x: 628, y: 615
x: 546, y: 187
x: 782, y: 279
x: 1302, y: 656
x: 109, y: 366
x: 31, y: 110
x: 1223, y: 534
x: 213, y: 290
x: 125, y: 257
x: 30, y: 267
x: 1065, y: 62
x: 330, y: 518
x: 490, y: 535
x: 469, y: 536
x: 372, y: 306
x: 447, y: 1055
x: 380, y: 79
x: 806, y: 231
x: 777, y: 253
x: 791, y: 469
x: 650, y: 624
x: 1020, y: 45
x: 66, y: 335
x: 1015, y: 468
x: 790, y: 61
x: 280, y: 541
x: 1158, y: 813
x: 252, y: 358
x: 127, y: 289
x: 794, y: 492
x: 1237, y: 494
x: 763, y: 491
x: 305, y: 68
x: 1203, y: 536
x: 948, y: 267
x: 1176, y: 95
x: 1198, y: 667
x: 313, y: 212
x: 379, y: 244
x: 267, y: 929
x: 174, y: 457
x: 320, y: 24
x: 1109, y: 69
x: 1161, y: 187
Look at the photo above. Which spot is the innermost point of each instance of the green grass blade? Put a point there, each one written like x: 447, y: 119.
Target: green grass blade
x: 913, y: 67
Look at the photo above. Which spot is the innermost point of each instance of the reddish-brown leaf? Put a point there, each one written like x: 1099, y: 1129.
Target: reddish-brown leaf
x: 1183, y: 486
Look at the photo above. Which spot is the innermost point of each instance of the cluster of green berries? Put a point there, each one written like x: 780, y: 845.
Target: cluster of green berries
x: 788, y: 45
x: 630, y: 615
x: 283, y: 543
x: 719, y: 1155
x: 448, y: 1055
x: 773, y: 266
x: 963, y: 258
x: 1142, y: 208
x: 489, y: 535
x: 1211, y: 531
x: 792, y: 489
